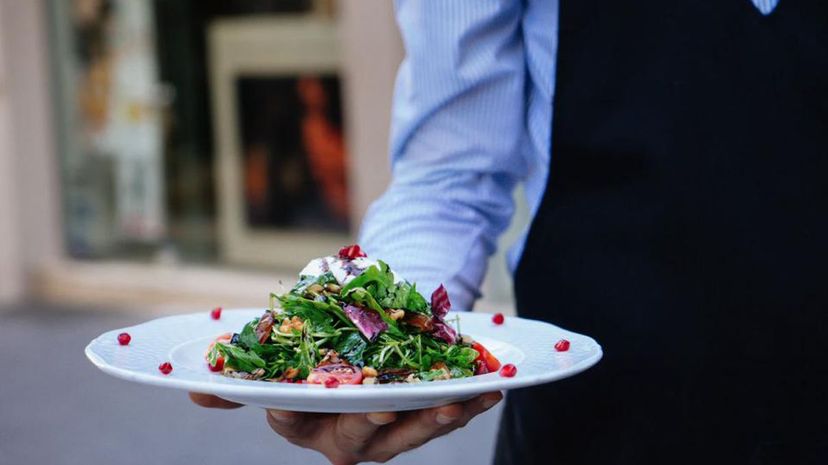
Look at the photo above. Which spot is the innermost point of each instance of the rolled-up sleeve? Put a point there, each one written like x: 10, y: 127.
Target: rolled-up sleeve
x: 458, y: 120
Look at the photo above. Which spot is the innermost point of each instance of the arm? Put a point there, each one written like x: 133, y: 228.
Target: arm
x: 457, y: 125
x: 457, y: 122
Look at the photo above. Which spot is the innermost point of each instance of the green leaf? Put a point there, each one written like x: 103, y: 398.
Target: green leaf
x: 404, y: 295
x: 352, y: 348
x: 239, y: 358
x: 363, y: 298
x: 306, y: 281
x: 305, y: 308
x: 376, y: 279
x: 248, y: 338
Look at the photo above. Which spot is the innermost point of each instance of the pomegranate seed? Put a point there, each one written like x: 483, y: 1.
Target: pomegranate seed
x: 124, y: 339
x: 216, y: 313
x: 508, y: 370
x: 498, y: 319
x: 351, y: 252
x: 218, y: 366
x: 562, y: 345
x: 165, y: 368
x: 331, y: 383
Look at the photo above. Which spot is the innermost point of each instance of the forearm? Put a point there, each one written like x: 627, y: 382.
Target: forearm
x: 458, y: 120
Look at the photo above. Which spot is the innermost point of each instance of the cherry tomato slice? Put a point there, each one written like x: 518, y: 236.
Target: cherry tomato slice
x: 344, y: 374
x: 224, y: 339
x: 492, y: 363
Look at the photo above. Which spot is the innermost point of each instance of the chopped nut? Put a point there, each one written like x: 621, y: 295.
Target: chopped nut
x: 466, y: 339
x: 291, y: 373
x: 396, y: 314
x: 369, y: 380
x: 331, y: 357
x: 412, y: 379
x: 315, y: 288
x: 258, y: 373
x: 369, y: 372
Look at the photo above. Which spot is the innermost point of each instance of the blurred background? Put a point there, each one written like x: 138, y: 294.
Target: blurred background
x: 163, y: 156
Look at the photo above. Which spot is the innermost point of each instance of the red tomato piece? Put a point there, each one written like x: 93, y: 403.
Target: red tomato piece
x: 218, y: 366
x: 492, y: 363
x: 224, y: 339
x: 342, y: 373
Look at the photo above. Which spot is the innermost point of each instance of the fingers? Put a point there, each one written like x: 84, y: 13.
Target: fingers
x: 420, y: 427
x: 302, y: 429
x: 355, y: 430
x: 478, y: 405
x: 210, y: 401
x: 286, y: 424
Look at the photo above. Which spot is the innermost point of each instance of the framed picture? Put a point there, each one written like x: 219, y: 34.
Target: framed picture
x: 281, y: 165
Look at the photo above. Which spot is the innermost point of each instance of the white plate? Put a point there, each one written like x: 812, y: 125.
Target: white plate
x: 183, y: 339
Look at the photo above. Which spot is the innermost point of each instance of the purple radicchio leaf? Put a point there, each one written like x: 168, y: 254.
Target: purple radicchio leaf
x: 368, y: 322
x: 443, y: 331
x: 440, y: 305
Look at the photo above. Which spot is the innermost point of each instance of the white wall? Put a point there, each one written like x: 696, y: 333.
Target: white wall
x: 29, y: 199
x: 11, y: 279
x: 372, y: 51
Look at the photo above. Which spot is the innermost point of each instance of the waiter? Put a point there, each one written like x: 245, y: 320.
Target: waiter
x: 674, y: 155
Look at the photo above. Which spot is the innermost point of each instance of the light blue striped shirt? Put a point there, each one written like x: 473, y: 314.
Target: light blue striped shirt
x: 471, y: 119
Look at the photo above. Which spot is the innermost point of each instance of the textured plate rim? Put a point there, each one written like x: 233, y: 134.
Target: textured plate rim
x: 437, y: 390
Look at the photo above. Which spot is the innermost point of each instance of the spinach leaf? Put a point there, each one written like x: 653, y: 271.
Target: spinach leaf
x: 239, y: 358
x: 248, y: 338
x: 352, y: 348
x: 375, y: 279
x: 296, y: 305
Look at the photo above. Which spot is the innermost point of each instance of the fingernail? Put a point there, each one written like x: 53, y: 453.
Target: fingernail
x: 380, y: 419
x: 282, y: 417
x: 445, y: 419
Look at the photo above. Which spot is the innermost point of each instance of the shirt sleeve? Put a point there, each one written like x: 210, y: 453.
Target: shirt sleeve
x: 457, y: 124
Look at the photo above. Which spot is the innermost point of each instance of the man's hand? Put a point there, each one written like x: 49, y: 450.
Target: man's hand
x: 351, y: 438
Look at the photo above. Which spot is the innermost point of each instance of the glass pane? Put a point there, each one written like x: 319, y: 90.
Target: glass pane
x: 137, y: 146
x: 294, y: 152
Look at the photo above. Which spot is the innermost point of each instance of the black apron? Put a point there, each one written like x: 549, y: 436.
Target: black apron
x: 684, y: 227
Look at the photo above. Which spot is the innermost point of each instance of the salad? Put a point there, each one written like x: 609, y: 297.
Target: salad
x: 351, y: 320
